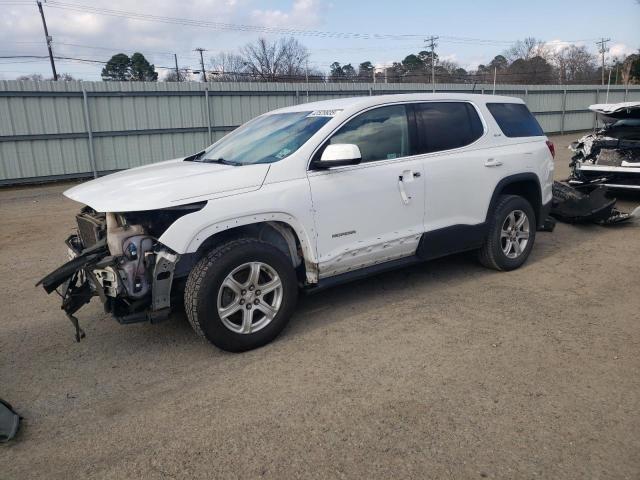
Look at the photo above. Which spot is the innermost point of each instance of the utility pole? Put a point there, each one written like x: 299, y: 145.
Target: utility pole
x: 306, y: 76
x: 48, y: 39
x: 495, y: 74
x: 175, y: 57
x: 603, y: 49
x: 432, y: 45
x: 204, y: 74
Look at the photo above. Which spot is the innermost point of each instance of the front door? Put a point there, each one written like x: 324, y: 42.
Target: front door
x: 372, y: 212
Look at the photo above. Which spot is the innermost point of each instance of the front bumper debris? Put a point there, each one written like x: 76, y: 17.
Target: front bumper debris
x: 94, y: 272
x: 72, y: 277
x: 570, y: 205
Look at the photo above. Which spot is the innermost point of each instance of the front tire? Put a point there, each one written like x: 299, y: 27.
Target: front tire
x: 241, y: 294
x: 512, y: 232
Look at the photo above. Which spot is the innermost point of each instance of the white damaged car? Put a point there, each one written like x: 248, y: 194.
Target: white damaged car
x: 611, y: 155
x: 303, y: 198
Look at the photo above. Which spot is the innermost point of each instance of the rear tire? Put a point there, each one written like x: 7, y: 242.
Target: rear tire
x: 241, y: 294
x: 511, y: 235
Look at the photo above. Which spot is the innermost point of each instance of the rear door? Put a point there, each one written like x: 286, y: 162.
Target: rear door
x: 371, y: 212
x: 460, y: 173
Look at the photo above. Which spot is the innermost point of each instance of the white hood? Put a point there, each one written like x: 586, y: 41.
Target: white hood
x: 167, y: 184
x: 609, y: 108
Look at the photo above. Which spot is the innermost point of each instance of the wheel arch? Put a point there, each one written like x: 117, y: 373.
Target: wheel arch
x: 278, y: 229
x: 526, y: 185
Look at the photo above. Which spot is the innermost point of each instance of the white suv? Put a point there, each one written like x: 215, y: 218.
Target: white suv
x: 305, y: 197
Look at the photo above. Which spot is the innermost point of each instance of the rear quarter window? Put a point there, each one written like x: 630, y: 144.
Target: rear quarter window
x: 515, y: 120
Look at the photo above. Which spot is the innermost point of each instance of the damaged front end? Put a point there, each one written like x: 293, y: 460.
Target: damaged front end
x: 611, y: 155
x: 118, y: 258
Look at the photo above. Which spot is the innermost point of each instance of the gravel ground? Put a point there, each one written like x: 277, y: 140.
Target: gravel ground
x: 442, y: 370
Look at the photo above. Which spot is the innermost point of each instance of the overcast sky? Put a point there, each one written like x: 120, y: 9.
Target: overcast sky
x: 472, y: 32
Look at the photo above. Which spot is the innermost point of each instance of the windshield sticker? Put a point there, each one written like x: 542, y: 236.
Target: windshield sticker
x: 324, y: 113
x: 283, y: 153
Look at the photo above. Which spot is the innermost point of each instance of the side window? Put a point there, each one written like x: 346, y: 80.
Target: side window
x: 515, y: 120
x: 381, y: 133
x: 447, y: 125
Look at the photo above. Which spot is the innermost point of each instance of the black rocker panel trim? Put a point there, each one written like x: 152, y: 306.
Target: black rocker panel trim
x: 453, y: 239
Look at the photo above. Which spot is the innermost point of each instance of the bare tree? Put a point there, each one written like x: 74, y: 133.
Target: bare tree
x: 32, y: 77
x: 38, y: 77
x: 269, y: 60
x: 182, y: 75
x: 631, y: 69
x: 527, y: 49
x: 574, y: 64
x: 66, y: 77
x: 228, y: 67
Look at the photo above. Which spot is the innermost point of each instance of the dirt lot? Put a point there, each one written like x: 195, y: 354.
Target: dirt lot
x: 443, y: 370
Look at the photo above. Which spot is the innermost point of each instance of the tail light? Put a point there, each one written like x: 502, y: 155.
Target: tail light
x: 552, y: 148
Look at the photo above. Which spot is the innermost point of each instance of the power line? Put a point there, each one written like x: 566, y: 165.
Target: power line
x: 272, y: 30
x: 219, y: 25
x: 267, y: 30
x: 75, y: 59
x: 110, y: 49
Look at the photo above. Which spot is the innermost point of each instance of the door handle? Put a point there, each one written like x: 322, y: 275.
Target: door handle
x: 403, y: 193
x: 407, y: 175
x: 492, y: 162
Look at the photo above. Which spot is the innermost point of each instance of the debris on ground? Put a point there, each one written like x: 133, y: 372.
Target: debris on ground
x: 9, y: 422
x: 570, y: 205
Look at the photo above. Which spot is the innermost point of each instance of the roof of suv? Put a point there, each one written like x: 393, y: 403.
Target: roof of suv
x: 370, y: 101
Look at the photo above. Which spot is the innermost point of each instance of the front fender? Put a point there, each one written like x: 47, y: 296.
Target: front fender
x: 176, y: 239
x: 288, y: 202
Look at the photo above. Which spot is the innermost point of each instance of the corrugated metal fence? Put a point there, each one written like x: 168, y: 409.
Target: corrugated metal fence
x: 51, y: 130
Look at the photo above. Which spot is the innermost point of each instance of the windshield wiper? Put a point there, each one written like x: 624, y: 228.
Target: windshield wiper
x: 195, y: 157
x: 221, y: 161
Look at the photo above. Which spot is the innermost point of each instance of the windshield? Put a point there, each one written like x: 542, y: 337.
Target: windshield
x: 266, y: 139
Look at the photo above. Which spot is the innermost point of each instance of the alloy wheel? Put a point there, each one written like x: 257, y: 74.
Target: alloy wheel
x: 514, y: 235
x: 249, y: 297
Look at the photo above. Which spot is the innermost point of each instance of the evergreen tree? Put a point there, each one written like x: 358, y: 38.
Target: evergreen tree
x: 121, y: 68
x: 141, y: 70
x: 117, y: 68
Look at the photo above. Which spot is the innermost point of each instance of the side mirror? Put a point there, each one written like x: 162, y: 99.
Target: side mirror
x: 339, y: 154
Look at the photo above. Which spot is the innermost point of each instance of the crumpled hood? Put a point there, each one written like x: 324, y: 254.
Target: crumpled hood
x: 611, y: 112
x: 167, y: 184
